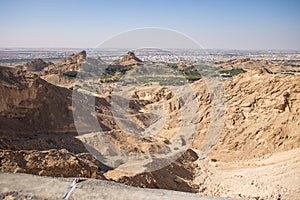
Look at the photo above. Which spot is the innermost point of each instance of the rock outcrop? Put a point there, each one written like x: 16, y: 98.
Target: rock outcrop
x: 71, y: 64
x: 30, y: 104
x: 176, y: 176
x: 248, y: 64
x: 59, y: 163
x: 128, y: 60
x: 262, y: 119
x: 36, y: 65
x: 262, y: 116
x: 64, y: 74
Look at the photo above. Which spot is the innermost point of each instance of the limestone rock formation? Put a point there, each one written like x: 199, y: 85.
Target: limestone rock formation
x: 59, y: 163
x: 71, y: 64
x: 262, y: 116
x: 176, y: 176
x: 247, y: 64
x: 129, y: 59
x: 30, y: 104
x: 36, y: 65
x: 262, y: 120
x: 64, y: 74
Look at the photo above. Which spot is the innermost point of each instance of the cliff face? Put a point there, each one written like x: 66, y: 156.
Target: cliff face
x: 30, y: 104
x: 263, y: 115
x: 13, y: 88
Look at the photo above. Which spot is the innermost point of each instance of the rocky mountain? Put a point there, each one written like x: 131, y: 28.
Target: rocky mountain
x: 31, y: 105
x: 128, y: 60
x: 247, y: 64
x: 36, y: 65
x: 71, y: 64
x: 261, y: 126
x: 124, y: 64
x: 262, y: 120
x: 65, y: 73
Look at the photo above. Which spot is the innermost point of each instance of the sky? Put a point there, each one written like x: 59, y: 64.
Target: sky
x: 214, y: 24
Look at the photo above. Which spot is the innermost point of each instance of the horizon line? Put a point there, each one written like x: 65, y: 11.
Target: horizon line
x: 88, y: 48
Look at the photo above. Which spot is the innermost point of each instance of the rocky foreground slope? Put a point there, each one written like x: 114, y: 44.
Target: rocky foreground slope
x: 22, y: 186
x: 256, y: 155
x: 263, y: 116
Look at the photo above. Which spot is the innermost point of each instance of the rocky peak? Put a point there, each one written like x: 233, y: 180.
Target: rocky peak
x: 71, y: 64
x: 76, y: 58
x: 129, y: 59
x: 130, y: 56
x: 36, y: 65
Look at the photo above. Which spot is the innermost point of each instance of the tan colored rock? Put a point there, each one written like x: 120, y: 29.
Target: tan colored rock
x: 262, y: 120
x: 176, y: 176
x: 262, y: 116
x: 59, y: 163
x: 36, y: 65
x: 129, y: 59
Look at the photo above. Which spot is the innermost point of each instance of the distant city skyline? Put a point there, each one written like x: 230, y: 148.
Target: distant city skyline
x: 215, y: 24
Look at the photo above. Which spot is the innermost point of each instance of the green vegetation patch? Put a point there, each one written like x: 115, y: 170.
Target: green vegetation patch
x: 109, y: 78
x: 192, y: 76
x: 166, y: 141
x: 232, y: 72
x: 70, y: 75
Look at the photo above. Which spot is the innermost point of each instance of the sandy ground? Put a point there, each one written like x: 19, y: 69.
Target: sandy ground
x: 275, y: 176
x: 37, y: 187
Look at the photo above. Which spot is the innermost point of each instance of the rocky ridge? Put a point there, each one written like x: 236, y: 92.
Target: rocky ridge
x: 128, y: 59
x: 271, y: 102
x: 36, y: 65
x: 247, y: 64
x: 260, y: 97
x: 71, y: 64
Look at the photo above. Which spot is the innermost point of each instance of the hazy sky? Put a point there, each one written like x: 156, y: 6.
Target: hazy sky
x: 225, y: 24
